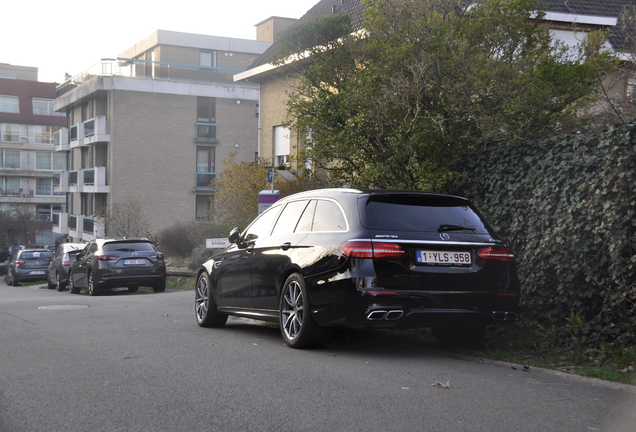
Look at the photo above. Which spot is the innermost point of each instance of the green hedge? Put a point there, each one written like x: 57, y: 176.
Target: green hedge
x: 567, y: 207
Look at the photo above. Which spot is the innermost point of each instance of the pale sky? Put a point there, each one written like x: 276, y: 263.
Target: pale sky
x: 70, y: 36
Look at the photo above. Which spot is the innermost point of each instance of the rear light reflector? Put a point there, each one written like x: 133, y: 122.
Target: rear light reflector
x: 369, y: 249
x: 156, y: 255
x: 65, y: 260
x: 497, y: 253
x: 106, y: 257
x: 19, y: 263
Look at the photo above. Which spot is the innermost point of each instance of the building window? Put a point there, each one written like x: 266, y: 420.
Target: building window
x: 10, y: 159
x: 10, y: 132
x: 282, y: 144
x: 9, y: 104
x: 207, y: 58
x: 205, y: 207
x: 44, y: 107
x: 205, y: 166
x: 206, y: 118
x: 44, y: 187
x: 10, y: 185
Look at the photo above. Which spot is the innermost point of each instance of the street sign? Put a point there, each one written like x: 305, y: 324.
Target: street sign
x: 217, y: 243
x: 270, y: 176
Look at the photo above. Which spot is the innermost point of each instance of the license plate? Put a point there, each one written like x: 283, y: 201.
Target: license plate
x: 444, y: 258
x: 37, y: 272
x: 135, y: 262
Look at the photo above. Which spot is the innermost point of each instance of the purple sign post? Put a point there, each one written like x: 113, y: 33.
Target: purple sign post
x: 266, y: 198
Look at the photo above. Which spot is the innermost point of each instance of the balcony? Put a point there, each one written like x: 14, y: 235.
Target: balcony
x: 96, y: 131
x: 76, y: 135
x: 204, y: 180
x: 81, y: 227
x: 89, y: 180
x: 136, y: 68
x: 61, y: 140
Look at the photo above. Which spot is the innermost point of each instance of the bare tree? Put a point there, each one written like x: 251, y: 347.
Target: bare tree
x: 126, y: 219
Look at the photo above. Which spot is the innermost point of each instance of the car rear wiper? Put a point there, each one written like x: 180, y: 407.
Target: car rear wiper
x: 446, y: 227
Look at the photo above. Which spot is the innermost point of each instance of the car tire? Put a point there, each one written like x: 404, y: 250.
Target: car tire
x: 204, y: 305
x: 60, y: 286
x: 71, y: 286
x: 49, y: 283
x: 92, y: 289
x: 297, y: 326
x: 14, y: 280
x: 457, y: 335
x: 160, y: 287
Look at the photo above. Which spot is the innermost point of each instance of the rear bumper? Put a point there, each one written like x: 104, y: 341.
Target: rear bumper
x: 110, y: 281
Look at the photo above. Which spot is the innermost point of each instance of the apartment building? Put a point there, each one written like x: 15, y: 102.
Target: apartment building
x: 152, y: 127
x: 28, y: 126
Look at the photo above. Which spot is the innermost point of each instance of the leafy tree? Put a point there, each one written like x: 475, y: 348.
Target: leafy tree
x: 395, y: 106
x: 236, y: 196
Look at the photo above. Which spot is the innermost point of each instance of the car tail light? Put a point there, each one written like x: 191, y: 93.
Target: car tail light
x: 19, y: 263
x: 65, y: 260
x: 497, y: 253
x: 106, y: 257
x: 369, y: 249
x: 157, y: 256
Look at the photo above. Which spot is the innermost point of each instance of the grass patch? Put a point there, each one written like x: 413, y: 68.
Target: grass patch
x: 180, y: 283
x: 535, y: 345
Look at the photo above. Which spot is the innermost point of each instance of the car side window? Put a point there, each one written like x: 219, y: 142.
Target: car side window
x: 329, y: 217
x: 307, y: 218
x: 288, y: 218
x: 261, y: 226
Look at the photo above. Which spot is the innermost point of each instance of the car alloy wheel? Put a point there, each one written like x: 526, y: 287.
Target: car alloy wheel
x: 92, y: 289
x: 205, y: 307
x: 296, y: 324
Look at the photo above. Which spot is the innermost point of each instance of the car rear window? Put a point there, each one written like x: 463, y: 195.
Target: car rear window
x: 35, y: 255
x: 129, y: 247
x: 421, y: 213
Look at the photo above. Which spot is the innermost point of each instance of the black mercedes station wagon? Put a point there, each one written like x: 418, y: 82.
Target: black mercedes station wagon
x: 332, y: 258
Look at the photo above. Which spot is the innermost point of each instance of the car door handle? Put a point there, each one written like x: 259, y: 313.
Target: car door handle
x: 285, y: 246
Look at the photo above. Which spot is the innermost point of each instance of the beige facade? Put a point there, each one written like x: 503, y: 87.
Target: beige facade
x: 154, y: 130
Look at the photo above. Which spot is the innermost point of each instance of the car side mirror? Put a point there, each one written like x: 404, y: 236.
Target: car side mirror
x: 234, y: 236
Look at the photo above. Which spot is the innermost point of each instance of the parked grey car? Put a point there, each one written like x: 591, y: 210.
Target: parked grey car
x: 111, y: 263
x: 28, y: 265
x: 61, y: 263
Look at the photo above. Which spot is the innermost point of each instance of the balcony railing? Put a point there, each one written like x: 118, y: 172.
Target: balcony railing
x: 204, y: 179
x: 72, y: 222
x: 135, y: 68
x: 88, y: 226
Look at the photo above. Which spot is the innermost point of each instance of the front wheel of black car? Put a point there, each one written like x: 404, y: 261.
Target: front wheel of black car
x: 459, y: 335
x: 205, y: 307
x: 297, y: 326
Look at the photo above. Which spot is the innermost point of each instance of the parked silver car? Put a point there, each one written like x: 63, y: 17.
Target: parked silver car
x: 61, y: 263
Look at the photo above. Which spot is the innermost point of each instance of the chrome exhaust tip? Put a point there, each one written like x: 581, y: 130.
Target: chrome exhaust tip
x: 394, y: 315
x: 376, y: 315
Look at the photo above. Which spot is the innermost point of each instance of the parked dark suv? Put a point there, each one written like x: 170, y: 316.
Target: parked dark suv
x: 59, y: 267
x: 340, y: 257
x: 28, y: 265
x: 110, y: 263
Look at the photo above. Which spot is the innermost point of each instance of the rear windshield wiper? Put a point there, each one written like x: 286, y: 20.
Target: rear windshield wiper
x: 446, y: 227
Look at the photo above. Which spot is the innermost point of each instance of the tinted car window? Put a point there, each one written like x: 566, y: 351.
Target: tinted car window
x: 413, y: 213
x: 36, y: 255
x: 128, y: 247
x: 289, y: 217
x: 307, y: 218
x: 260, y: 227
x: 328, y: 217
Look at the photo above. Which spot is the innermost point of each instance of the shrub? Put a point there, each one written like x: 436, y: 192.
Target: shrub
x: 175, y: 240
x: 567, y: 207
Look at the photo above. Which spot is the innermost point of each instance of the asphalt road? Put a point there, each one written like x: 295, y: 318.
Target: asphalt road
x: 126, y: 362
